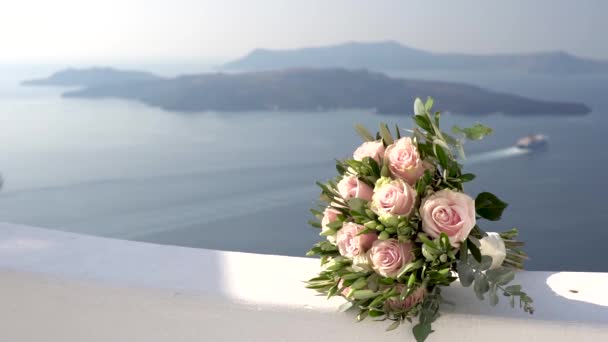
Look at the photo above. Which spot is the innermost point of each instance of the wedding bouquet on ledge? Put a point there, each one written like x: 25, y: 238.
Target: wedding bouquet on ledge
x: 398, y: 226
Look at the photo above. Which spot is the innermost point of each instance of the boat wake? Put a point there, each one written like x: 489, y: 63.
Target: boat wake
x: 490, y: 156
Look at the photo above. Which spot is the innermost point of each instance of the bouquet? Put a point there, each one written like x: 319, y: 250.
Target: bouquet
x: 398, y: 226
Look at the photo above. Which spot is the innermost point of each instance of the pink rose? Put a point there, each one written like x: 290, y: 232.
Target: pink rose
x: 409, y: 302
x: 329, y: 215
x: 449, y: 212
x: 350, y: 244
x: 393, y: 198
x: 404, y: 161
x: 372, y: 149
x: 351, y: 187
x: 390, y: 256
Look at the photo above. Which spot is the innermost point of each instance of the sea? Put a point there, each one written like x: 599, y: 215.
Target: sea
x: 245, y: 181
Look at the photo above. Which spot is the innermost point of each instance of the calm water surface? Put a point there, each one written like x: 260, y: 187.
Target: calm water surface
x: 245, y: 181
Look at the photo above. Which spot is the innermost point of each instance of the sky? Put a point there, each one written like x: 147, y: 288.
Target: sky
x: 149, y: 30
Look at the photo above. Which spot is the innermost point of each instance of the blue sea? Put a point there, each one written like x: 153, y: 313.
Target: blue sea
x: 245, y: 181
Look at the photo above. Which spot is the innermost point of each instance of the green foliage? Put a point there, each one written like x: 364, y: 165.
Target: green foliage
x: 428, y: 314
x: 364, y: 133
x: 488, y: 206
x: 386, y: 135
x: 476, y: 132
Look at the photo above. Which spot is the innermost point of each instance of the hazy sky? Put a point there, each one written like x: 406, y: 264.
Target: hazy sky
x: 129, y: 30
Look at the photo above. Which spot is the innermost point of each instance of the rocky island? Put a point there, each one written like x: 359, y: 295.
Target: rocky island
x: 393, y: 56
x: 297, y: 89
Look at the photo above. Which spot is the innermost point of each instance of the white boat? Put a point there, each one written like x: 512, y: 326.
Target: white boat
x: 532, y: 142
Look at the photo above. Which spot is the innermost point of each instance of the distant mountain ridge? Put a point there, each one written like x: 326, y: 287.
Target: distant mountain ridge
x: 393, y: 56
x: 302, y: 89
x: 92, y: 77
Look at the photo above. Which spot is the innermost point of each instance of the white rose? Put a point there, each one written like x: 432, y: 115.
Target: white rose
x: 493, y: 246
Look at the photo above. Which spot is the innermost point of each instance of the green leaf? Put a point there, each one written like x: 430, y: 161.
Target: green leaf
x: 315, y: 224
x: 464, y: 253
x: 385, y: 172
x: 356, y: 204
x: 359, y: 284
x: 385, y: 133
x: 378, y: 301
x: 467, y: 177
x: 422, y: 331
x: 501, y: 276
x: 476, y: 132
x: 362, y: 314
x: 410, y: 267
x: 423, y: 122
x: 481, y: 286
x: 335, y: 225
x: 419, y: 107
x: 364, y: 133
x: 423, y: 182
x: 364, y: 294
x: 493, y: 297
x: 376, y: 313
x: 411, y: 280
x: 383, y: 236
x: 513, y: 289
x: 393, y: 325
x: 488, y: 206
x: 442, y: 156
x: 349, y: 276
x: 429, y: 104
x: 373, y: 165
x: 397, y: 131
x: 465, y: 274
x: 474, y: 250
x: 328, y: 232
x: 486, y: 262
x: 345, y: 307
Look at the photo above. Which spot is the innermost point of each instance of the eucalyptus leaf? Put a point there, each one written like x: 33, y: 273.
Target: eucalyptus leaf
x: 465, y: 274
x: 493, y: 299
x: 513, y: 289
x: 422, y: 331
x: 501, y: 276
x: 486, y: 262
x: 481, y: 286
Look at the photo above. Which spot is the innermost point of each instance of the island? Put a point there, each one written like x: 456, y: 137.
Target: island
x: 73, y: 77
x: 301, y: 89
x: 393, y: 56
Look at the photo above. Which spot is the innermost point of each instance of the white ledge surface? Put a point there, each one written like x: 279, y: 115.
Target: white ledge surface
x: 57, y: 286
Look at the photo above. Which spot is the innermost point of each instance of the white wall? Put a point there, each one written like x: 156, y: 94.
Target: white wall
x: 57, y: 286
